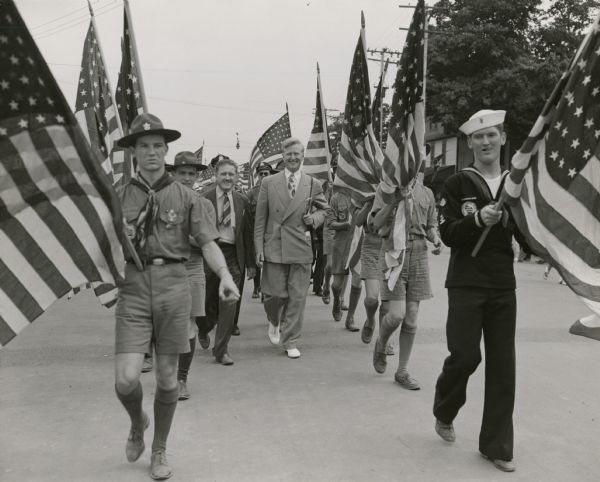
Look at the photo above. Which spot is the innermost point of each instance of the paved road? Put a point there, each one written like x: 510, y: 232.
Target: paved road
x: 325, y: 417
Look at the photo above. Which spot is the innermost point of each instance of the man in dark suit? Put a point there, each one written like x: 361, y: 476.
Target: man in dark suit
x: 234, y: 223
x: 290, y: 203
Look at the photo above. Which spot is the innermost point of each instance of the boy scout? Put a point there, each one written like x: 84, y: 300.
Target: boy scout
x: 160, y: 216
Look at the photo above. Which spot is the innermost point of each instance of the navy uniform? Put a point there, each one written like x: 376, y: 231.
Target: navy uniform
x: 481, y: 301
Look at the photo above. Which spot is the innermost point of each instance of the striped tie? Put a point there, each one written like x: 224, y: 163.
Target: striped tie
x: 226, y: 215
x: 292, y: 185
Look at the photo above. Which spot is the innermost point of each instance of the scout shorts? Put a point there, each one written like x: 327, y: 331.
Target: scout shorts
x: 154, y: 301
x: 413, y: 284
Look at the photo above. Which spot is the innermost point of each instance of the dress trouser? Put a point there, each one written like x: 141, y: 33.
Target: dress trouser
x: 471, y: 312
x: 219, y: 312
x: 285, y: 287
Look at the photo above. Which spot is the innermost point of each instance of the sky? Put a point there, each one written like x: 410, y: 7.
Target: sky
x: 214, y: 68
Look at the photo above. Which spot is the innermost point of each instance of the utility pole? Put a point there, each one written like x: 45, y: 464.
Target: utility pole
x: 384, y: 58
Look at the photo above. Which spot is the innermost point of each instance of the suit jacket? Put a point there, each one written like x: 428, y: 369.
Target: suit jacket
x: 243, y: 226
x: 279, y: 230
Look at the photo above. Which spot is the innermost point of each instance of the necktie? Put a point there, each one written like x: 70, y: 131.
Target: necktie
x: 292, y: 185
x: 226, y: 214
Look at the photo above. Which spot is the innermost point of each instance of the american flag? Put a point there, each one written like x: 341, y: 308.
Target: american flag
x: 128, y: 96
x: 554, y: 183
x: 205, y: 177
x: 405, y: 148
x: 379, y: 124
x: 95, y: 111
x: 359, y: 156
x: 406, y: 134
x: 268, y: 147
x: 244, y: 176
x: 60, y: 218
x: 317, y: 158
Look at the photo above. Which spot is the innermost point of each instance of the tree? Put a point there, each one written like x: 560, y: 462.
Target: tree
x: 505, y: 54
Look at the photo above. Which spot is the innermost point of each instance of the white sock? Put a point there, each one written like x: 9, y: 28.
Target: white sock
x: 591, y: 321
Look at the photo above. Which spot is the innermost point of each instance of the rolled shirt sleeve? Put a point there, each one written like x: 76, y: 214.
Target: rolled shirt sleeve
x: 202, y: 222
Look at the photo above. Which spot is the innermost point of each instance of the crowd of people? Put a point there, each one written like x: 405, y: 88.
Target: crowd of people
x: 197, y: 247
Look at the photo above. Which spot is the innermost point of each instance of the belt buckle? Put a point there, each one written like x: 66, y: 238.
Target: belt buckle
x: 158, y: 261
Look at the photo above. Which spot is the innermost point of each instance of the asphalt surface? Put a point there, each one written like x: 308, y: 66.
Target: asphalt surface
x: 325, y: 417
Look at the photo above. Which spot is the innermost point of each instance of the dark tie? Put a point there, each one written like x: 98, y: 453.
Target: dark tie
x: 226, y: 215
x: 292, y: 185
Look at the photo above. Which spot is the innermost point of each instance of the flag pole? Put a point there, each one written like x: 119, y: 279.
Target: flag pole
x: 110, y: 91
x: 323, y: 114
x: 136, y: 56
x: 128, y: 244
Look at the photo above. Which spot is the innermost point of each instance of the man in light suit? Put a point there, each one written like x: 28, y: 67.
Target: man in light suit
x: 234, y: 223
x: 289, y: 205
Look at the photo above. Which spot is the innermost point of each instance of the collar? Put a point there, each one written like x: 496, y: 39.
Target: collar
x: 295, y: 174
x: 221, y: 193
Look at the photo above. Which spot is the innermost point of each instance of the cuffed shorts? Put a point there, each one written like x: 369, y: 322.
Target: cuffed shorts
x: 413, y: 283
x: 369, y: 257
x: 154, y: 301
x: 197, y: 280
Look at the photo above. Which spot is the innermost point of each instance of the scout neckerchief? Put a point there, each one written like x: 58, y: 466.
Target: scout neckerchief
x: 147, y: 215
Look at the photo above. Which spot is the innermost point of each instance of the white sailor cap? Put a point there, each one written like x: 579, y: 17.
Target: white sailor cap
x: 483, y: 119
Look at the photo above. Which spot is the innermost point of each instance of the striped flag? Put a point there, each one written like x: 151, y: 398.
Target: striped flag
x: 317, y: 158
x: 268, y: 147
x: 60, y: 218
x: 379, y: 124
x: 95, y: 111
x: 128, y: 98
x: 244, y: 176
x: 359, y: 156
x: 405, y: 146
x: 554, y: 183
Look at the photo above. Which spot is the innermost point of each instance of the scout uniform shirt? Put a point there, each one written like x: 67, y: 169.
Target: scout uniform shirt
x: 180, y: 215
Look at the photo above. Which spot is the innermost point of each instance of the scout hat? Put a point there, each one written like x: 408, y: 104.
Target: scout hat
x: 482, y: 120
x: 186, y: 158
x: 147, y: 124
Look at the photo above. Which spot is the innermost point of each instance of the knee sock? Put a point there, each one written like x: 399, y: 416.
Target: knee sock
x: 165, y: 402
x: 371, y: 305
x: 132, y: 402
x: 185, y: 361
x: 336, y: 291
x: 407, y: 338
x: 326, y: 284
x: 355, y: 292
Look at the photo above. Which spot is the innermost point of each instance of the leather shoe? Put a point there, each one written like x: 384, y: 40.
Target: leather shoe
x: 204, y: 340
x: 255, y: 294
x: 503, y: 465
x: 445, y: 430
x: 273, y: 332
x: 350, y: 325
x: 225, y: 360
x: 159, y: 467
x: 135, y: 441
x: 235, y: 331
x: 366, y: 334
x: 406, y: 381
x: 379, y: 358
x: 293, y: 353
x: 326, y: 299
x: 183, y: 391
x: 580, y: 329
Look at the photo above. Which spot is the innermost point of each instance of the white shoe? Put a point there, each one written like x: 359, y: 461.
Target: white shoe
x: 293, y: 353
x: 273, y: 332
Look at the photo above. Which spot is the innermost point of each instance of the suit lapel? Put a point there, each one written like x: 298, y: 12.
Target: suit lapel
x: 238, y: 209
x: 301, y: 195
x: 281, y: 188
x: 212, y: 197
